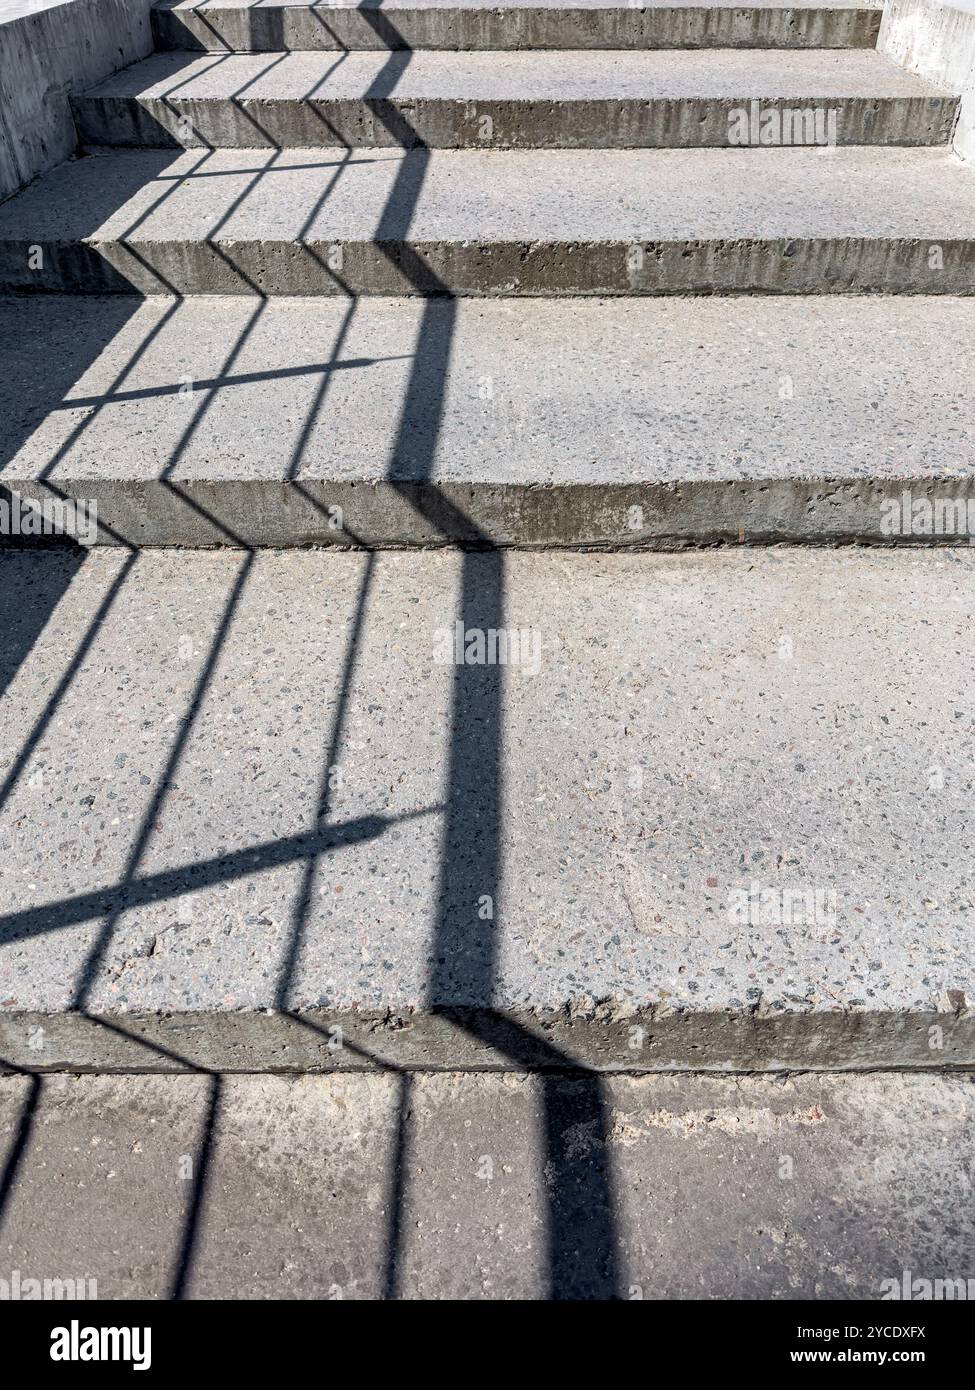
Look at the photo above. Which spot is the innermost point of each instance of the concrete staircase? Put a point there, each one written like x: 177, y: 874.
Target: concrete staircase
x: 509, y: 369
x: 444, y: 275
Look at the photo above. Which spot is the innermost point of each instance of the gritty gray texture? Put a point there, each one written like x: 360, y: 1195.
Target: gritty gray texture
x: 403, y: 514
x: 538, y: 24
x: 509, y: 222
x: 497, y: 1187
x: 938, y: 41
x: 697, y: 725
x: 607, y: 1038
x: 549, y: 419
x: 515, y: 76
x: 47, y: 52
x: 529, y: 100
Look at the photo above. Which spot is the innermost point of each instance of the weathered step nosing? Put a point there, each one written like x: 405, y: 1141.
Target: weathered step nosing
x: 591, y: 1037
x: 712, y: 265
x: 457, y: 123
x: 411, y: 514
x: 496, y: 222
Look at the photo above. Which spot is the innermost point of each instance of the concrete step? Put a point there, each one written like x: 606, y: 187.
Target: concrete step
x: 471, y: 24
x: 510, y: 100
x: 486, y: 1186
x: 539, y: 422
x: 714, y: 811
x: 505, y: 222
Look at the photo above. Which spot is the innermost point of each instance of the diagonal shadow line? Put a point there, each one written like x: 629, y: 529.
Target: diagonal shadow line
x: 302, y: 907
x: 204, y: 18
x: 210, y: 391
x: 168, y: 187
x: 170, y: 884
x: 217, y: 60
x: 466, y: 880
x: 317, y: 403
x: 321, y: 392
x: 323, y: 24
x: 21, y: 1141
x: 302, y: 847
x: 477, y: 694
x: 463, y: 959
x: 42, y: 723
x: 132, y: 362
x: 201, y: 1179
x: 274, y: 25
x: 157, y: 1048
x: 205, y: 514
x: 380, y: 23
x: 232, y: 98
x: 96, y: 954
x: 221, y: 383
x: 189, y: 1235
x: 209, y: 396
x: 188, y: 1242
x: 192, y: 175
x: 101, y: 527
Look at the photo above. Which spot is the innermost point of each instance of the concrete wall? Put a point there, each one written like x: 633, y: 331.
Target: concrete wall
x: 49, y: 48
x: 936, y: 38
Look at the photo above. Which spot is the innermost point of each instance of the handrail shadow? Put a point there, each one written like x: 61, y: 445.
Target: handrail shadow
x: 463, y: 958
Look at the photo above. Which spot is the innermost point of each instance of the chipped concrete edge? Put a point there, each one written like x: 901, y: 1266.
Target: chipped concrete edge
x: 377, y: 514
x: 582, y: 1036
x: 736, y: 262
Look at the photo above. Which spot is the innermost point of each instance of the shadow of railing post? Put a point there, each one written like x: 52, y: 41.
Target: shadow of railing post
x: 21, y: 1139
x: 463, y: 960
x: 186, y: 1254
x: 463, y: 965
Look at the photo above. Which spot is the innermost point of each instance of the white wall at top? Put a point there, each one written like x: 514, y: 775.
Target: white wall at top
x: 936, y: 38
x: 49, y: 48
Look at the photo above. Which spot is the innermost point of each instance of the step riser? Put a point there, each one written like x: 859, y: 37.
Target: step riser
x: 437, y: 123
x: 851, y: 265
x: 407, y: 515
x: 461, y: 1040
x: 255, y: 30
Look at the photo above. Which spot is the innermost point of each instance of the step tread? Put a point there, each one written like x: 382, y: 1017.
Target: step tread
x: 482, y: 197
x: 534, y: 392
x: 526, y: 76
x: 804, y: 765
